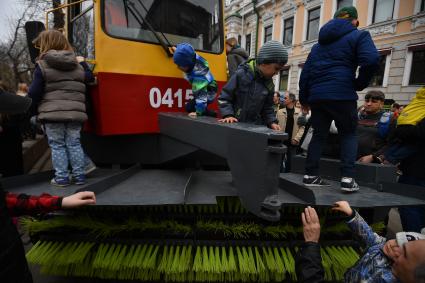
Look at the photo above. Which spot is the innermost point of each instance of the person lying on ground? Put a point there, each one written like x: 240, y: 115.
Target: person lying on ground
x: 376, y: 264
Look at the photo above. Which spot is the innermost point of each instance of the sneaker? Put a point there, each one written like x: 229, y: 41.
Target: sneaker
x: 79, y: 180
x: 60, y: 182
x: 314, y: 181
x: 349, y: 185
x: 90, y: 168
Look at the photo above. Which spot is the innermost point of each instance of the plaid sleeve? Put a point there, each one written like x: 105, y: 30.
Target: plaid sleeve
x: 364, y: 231
x: 25, y: 204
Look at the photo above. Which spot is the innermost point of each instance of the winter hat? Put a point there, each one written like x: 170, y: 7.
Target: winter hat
x: 272, y: 52
x: 346, y: 13
x: 184, y: 55
x: 404, y: 237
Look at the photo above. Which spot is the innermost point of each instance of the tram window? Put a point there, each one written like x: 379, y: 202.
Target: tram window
x: 81, y: 29
x: 197, y: 22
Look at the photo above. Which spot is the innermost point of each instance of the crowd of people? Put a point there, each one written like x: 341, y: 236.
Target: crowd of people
x: 327, y: 108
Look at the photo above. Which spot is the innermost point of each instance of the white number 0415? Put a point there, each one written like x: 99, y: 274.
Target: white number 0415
x: 156, y: 98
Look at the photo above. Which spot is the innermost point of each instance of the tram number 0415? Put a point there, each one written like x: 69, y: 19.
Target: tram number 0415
x: 169, y: 98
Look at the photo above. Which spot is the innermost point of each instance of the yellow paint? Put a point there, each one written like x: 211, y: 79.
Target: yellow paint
x: 131, y: 57
x: 362, y: 11
x: 298, y: 33
x: 327, y: 11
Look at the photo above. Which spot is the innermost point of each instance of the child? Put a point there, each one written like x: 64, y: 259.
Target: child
x: 248, y: 95
x: 58, y: 92
x: 376, y: 263
x: 409, y: 117
x: 197, y: 73
x: 14, y: 267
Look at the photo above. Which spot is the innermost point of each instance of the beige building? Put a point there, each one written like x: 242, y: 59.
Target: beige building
x: 397, y: 28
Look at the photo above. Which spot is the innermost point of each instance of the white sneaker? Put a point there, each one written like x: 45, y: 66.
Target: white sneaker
x: 349, y: 185
x: 89, y: 168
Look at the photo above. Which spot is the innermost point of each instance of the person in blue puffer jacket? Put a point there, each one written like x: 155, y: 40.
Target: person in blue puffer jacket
x: 328, y: 86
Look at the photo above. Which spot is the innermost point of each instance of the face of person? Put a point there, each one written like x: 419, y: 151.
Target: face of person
x: 412, y: 254
x: 269, y: 70
x: 228, y: 48
x: 287, y: 100
x: 372, y: 105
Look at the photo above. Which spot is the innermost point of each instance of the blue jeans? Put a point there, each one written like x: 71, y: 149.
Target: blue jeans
x: 64, y: 141
x: 344, y: 113
x: 412, y: 218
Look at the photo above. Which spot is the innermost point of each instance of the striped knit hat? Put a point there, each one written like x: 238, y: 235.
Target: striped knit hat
x: 272, y: 52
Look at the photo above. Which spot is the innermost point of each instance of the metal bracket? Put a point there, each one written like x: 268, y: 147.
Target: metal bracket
x: 253, y: 153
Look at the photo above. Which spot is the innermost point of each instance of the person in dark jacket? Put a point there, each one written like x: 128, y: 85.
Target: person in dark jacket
x: 397, y: 260
x: 328, y: 86
x: 412, y: 218
x: 308, y: 262
x: 248, y: 95
x: 236, y: 55
x: 58, y: 93
x: 11, y: 159
x: 13, y: 265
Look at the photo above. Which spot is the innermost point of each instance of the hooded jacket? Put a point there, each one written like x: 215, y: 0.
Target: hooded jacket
x: 248, y: 96
x: 234, y: 58
x: 330, y: 70
x: 64, y: 93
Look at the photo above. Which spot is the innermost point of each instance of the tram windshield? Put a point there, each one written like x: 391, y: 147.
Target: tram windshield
x: 197, y: 22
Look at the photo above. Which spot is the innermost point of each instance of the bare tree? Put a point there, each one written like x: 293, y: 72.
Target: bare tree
x: 15, y: 51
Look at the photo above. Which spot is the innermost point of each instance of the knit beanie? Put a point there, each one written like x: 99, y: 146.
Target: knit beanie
x: 346, y: 13
x: 184, y: 55
x: 404, y: 237
x: 272, y: 52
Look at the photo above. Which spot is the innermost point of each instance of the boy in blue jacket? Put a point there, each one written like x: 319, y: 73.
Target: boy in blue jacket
x: 328, y: 86
x: 197, y: 73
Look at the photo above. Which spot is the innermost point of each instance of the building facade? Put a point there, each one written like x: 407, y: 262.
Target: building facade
x: 397, y: 28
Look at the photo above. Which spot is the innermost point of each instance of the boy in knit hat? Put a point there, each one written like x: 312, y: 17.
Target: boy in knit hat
x: 197, y: 73
x: 248, y: 95
x: 328, y: 86
x: 376, y: 263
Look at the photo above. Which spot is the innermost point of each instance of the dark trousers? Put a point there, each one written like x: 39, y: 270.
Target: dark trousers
x: 412, y: 218
x: 344, y: 113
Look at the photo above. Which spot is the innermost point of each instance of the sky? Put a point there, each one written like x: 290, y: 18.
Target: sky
x: 9, y: 9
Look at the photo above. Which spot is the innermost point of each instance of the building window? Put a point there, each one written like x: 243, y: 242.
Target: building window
x: 268, y: 33
x: 248, y: 43
x: 378, y: 78
x: 383, y: 10
x: 422, y: 9
x: 284, y: 79
x: 313, y: 24
x: 288, y: 31
x: 343, y: 3
x: 417, y: 72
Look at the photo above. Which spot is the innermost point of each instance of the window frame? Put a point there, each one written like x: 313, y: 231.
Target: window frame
x: 309, y: 21
x: 248, y: 43
x: 386, y: 70
x: 270, y: 26
x: 286, y: 68
x: 285, y: 28
x: 408, y: 65
x: 220, y: 22
x: 374, y: 12
x: 338, y: 1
